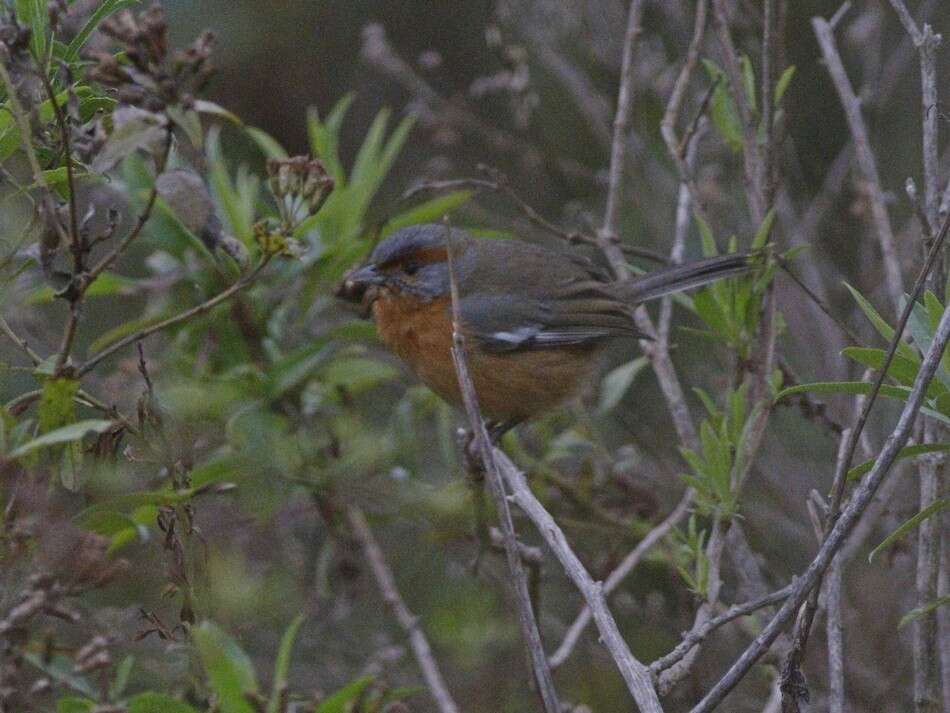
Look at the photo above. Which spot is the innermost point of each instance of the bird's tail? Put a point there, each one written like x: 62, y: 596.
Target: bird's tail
x: 684, y: 277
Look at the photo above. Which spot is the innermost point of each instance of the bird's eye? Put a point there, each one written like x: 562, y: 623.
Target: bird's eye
x: 411, y: 268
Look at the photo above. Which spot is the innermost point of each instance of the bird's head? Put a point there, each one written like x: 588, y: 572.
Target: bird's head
x: 412, y: 261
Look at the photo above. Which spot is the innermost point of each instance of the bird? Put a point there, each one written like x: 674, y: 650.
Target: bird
x: 534, y: 319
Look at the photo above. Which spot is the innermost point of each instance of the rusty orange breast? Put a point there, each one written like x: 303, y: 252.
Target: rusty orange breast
x: 516, y: 385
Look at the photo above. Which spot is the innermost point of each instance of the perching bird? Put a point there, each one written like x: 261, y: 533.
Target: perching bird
x: 535, y: 319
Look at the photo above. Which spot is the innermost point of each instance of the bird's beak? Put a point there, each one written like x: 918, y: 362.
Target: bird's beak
x: 360, y: 285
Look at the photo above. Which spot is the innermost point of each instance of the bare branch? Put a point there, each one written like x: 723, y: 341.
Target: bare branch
x: 698, y: 634
x: 609, y: 240
x: 865, y: 156
x: 844, y: 524
x: 187, y: 314
x: 387, y: 587
x: 21, y: 343
x: 835, y: 634
x: 106, y: 262
x: 635, y: 674
x: 481, y: 445
x: 927, y: 681
x: 620, y: 573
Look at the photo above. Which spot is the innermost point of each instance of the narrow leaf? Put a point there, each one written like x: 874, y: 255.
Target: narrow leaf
x: 104, y: 10
x: 282, y: 666
x: 909, y: 525
x: 151, y: 702
x: 66, y: 434
x: 924, y: 610
x: 617, y: 382
x: 782, y: 85
x: 230, y: 672
x: 882, y: 327
x: 905, y: 452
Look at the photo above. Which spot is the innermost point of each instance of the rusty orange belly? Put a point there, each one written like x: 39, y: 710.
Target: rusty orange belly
x: 515, y: 385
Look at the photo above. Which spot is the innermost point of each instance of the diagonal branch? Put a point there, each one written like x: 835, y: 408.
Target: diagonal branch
x: 635, y: 674
x: 620, y: 573
x: 851, y: 104
x: 481, y: 445
x: 187, y: 314
x: 608, y: 235
x: 843, y: 525
x: 387, y: 586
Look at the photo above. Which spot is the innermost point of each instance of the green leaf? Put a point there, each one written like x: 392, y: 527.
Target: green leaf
x: 901, y: 369
x: 33, y: 14
x: 125, y: 329
x: 762, y: 234
x: 710, y: 249
x: 924, y: 610
x: 905, y: 452
x: 121, y: 678
x: 617, y: 382
x: 909, y: 525
x: 282, y: 666
x: 268, y: 145
x: 230, y: 672
x: 104, y: 10
x: 203, y: 106
x: 74, y: 704
x: 141, y: 130
x: 152, y: 702
x: 851, y: 388
x: 66, y: 434
x: 723, y: 109
x: 748, y: 81
x: 106, y: 285
x: 56, y: 404
x: 293, y: 369
x: 338, y: 702
x: 882, y: 327
x: 238, y: 198
x: 90, y: 517
x: 119, y: 528
x: 782, y: 85
x: 428, y: 212
x: 325, y: 138
x: 357, y: 374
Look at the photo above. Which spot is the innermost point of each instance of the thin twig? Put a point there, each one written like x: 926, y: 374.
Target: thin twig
x: 842, y: 527
x: 698, y: 635
x: 677, y: 148
x: 76, y: 240
x: 620, y: 573
x: 803, y: 627
x: 487, y: 455
x: 187, y: 314
x: 498, y: 183
x: 634, y: 673
x: 608, y: 234
x: 106, y: 262
x: 862, y: 143
x: 813, y: 296
x: 752, y: 157
x: 21, y: 343
x: 927, y: 682
x: 387, y: 587
x: 681, y: 668
x: 77, y: 247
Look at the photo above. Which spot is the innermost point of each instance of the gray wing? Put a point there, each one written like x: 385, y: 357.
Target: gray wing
x: 502, y: 323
